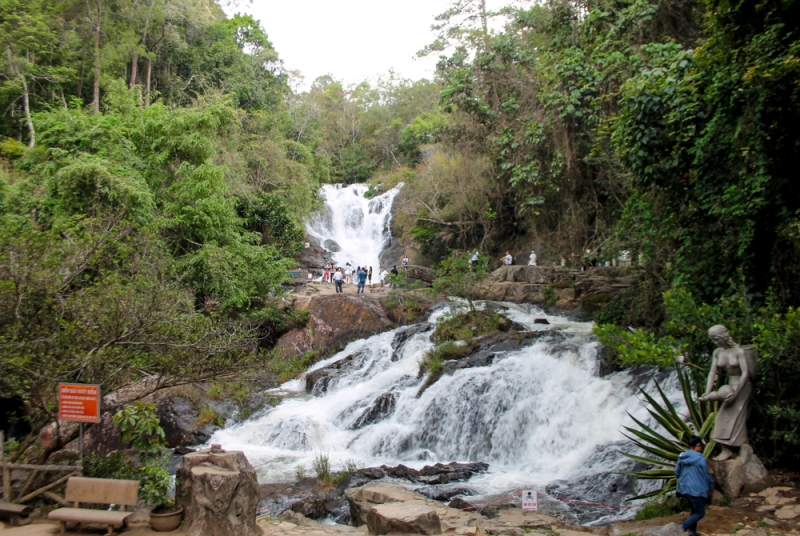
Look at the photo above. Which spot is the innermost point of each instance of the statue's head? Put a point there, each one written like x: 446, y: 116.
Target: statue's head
x: 719, y: 334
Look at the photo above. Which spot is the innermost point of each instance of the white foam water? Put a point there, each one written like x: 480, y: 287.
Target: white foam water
x: 354, y: 228
x: 535, y: 414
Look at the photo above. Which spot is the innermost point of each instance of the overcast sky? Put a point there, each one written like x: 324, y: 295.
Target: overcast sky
x: 349, y: 39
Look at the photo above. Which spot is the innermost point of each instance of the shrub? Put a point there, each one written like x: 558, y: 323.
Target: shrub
x: 469, y: 325
x: 661, y: 508
x: 433, y: 360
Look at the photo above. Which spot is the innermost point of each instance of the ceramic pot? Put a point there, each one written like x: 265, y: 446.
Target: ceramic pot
x: 166, y: 522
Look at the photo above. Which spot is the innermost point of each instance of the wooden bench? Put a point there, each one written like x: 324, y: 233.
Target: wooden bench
x: 18, y: 514
x: 97, y: 491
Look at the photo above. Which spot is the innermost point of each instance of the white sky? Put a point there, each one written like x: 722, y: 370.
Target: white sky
x: 351, y: 40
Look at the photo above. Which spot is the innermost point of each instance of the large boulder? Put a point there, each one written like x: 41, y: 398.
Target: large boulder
x: 363, y: 499
x: 415, y: 517
x: 334, y: 321
x: 219, y: 493
x: 741, y: 475
x: 315, y: 256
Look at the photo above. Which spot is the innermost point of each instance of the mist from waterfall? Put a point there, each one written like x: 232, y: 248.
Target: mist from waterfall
x: 354, y: 228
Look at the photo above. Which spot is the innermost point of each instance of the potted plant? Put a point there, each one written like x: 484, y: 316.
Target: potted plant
x: 139, y: 424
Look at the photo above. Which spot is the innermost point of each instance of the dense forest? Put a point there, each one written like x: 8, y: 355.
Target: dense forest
x: 156, y: 167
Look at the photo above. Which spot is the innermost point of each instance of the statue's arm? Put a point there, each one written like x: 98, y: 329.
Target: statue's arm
x: 744, y: 366
x: 712, y: 375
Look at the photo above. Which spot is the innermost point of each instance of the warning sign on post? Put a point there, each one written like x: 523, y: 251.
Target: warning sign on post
x: 529, y: 501
x: 78, y: 402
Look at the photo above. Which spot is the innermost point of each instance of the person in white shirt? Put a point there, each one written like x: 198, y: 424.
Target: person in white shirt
x: 382, y: 276
x: 405, y: 261
x: 532, y: 261
x: 337, y: 280
x: 508, y: 260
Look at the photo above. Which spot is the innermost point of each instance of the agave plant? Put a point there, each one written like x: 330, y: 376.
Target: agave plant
x: 665, y: 449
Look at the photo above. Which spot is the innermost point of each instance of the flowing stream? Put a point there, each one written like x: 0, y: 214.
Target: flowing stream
x: 541, y: 416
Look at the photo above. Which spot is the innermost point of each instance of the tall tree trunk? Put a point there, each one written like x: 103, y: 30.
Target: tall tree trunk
x: 147, y: 82
x: 27, y: 108
x: 96, y: 86
x: 134, y: 69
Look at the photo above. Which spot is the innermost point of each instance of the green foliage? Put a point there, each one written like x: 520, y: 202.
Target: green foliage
x: 459, y: 278
x: 661, y: 507
x: 286, y: 368
x: 139, y: 423
x: 663, y: 450
x: 432, y: 361
x: 322, y: 467
x: 469, y: 326
x: 550, y: 297
x: 637, y: 347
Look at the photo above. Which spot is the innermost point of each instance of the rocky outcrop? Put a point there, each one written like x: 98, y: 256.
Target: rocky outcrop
x: 316, y: 255
x: 741, y: 475
x: 335, y: 320
x: 218, y: 491
x: 420, y: 273
x: 487, y: 348
x: 415, y: 517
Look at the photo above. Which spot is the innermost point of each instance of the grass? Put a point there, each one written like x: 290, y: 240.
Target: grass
x: 468, y: 326
x: 433, y: 360
x: 286, y: 369
x: 208, y: 416
x: 667, y: 507
x: 322, y: 469
x: 549, y: 295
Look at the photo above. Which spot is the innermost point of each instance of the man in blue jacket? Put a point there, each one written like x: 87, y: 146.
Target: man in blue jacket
x: 694, y: 482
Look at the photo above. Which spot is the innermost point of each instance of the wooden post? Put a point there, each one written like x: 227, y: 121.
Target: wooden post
x: 6, y: 472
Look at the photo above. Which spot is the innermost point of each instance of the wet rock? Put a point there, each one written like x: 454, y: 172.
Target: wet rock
x: 402, y: 472
x: 317, y: 380
x: 382, y: 407
x: 415, y: 517
x: 315, y: 256
x: 541, y: 321
x: 402, y: 336
x: 334, y: 321
x: 488, y: 348
x: 332, y: 245
x: 445, y: 493
x: 452, y: 472
x: 374, y: 473
x: 459, y: 504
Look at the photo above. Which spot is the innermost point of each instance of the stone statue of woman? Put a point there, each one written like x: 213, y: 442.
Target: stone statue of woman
x: 730, y: 426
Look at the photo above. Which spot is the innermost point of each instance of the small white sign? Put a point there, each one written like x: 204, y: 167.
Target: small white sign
x: 530, y: 503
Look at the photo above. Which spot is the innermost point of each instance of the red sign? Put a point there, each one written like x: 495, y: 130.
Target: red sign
x: 78, y: 402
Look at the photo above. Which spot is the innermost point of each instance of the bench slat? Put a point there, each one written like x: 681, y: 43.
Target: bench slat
x: 86, y: 515
x: 102, y: 491
x: 11, y: 508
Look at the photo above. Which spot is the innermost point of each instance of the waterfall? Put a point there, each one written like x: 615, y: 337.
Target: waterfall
x: 354, y: 228
x: 537, y: 415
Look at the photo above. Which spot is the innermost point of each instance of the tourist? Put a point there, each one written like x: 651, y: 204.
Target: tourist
x: 362, y: 280
x: 382, y: 275
x: 508, y: 260
x: 532, y: 259
x: 369, y: 276
x: 694, y: 483
x: 394, y: 270
x: 337, y: 280
x: 405, y: 261
x: 326, y: 273
x: 348, y: 274
x: 474, y: 259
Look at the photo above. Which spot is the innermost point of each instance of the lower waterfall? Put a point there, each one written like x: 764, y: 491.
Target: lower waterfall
x: 540, y: 416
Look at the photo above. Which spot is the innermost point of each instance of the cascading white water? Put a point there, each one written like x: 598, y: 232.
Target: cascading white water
x: 354, y: 228
x: 536, y: 414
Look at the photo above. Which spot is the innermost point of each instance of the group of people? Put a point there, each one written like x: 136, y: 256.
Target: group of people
x: 360, y: 275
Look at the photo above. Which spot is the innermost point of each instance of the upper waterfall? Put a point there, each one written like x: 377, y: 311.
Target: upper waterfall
x: 354, y: 228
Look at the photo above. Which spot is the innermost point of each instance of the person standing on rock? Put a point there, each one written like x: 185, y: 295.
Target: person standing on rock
x: 508, y: 260
x: 405, y: 261
x: 382, y: 275
x: 695, y: 483
x: 532, y: 259
x: 326, y: 273
x: 337, y: 280
x: 362, y: 279
x: 369, y: 276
